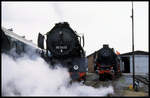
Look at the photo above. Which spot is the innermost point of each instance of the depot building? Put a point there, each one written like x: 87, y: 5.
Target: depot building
x: 141, y: 62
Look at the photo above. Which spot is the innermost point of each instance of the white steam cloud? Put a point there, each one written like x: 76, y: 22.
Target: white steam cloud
x: 26, y: 77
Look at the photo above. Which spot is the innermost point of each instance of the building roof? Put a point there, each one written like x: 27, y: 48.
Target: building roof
x: 10, y: 33
x: 136, y: 53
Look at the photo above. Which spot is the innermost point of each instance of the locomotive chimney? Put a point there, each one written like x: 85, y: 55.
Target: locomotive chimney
x: 105, y: 46
x: 62, y: 24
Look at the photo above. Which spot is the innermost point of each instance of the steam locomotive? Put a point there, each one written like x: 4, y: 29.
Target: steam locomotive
x: 107, y: 63
x: 63, y: 46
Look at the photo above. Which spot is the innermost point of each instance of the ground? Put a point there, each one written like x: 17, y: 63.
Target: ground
x: 122, y: 85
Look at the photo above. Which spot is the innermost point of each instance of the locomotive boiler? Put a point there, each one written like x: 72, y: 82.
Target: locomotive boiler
x: 65, y: 47
x: 107, y: 63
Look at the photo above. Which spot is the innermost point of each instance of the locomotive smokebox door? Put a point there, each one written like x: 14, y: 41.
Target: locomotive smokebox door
x: 41, y: 41
x: 61, y: 40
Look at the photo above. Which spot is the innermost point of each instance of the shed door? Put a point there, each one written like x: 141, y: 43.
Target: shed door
x: 126, y: 64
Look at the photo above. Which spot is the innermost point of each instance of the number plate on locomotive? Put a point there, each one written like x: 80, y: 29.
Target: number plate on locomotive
x: 61, y: 47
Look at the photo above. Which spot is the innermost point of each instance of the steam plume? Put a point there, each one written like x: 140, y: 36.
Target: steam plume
x: 34, y: 77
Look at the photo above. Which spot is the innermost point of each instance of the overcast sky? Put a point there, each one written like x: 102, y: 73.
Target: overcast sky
x: 100, y: 22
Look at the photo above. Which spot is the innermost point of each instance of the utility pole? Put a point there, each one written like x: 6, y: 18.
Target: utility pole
x: 133, y: 59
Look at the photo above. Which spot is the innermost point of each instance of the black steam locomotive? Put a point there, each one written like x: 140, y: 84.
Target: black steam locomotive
x: 107, y: 63
x: 63, y: 46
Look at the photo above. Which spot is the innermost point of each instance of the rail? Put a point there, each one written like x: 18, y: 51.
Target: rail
x: 143, y: 79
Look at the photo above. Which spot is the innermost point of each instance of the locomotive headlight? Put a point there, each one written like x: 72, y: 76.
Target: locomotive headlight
x: 76, y: 67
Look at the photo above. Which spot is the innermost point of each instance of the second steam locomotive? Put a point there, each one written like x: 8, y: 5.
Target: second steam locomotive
x: 107, y: 63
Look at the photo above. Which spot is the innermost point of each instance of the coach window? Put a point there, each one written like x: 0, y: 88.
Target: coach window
x: 19, y: 47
